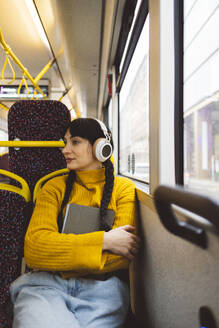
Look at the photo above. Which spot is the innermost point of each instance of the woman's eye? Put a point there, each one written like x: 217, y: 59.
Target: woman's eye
x: 75, y: 142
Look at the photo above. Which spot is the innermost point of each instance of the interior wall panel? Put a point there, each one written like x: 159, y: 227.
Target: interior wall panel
x: 173, y: 278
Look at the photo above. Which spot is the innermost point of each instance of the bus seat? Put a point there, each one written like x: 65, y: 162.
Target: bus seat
x: 36, y: 120
x: 174, y: 279
x: 12, y: 221
x: 4, y: 165
x: 27, y: 120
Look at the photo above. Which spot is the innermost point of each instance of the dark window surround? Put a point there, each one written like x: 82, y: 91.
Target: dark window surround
x: 127, y: 19
x: 106, y: 110
x: 178, y: 91
x: 139, y: 23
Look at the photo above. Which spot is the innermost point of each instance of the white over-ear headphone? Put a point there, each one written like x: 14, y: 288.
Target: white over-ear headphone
x: 102, y: 147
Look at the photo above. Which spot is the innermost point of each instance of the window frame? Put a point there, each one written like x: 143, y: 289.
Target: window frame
x: 139, y: 23
x: 178, y: 91
x: 142, y: 15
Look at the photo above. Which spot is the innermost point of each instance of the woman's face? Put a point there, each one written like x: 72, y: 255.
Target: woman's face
x: 78, y: 153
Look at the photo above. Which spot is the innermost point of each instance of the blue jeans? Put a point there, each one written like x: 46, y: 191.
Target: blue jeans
x: 45, y: 300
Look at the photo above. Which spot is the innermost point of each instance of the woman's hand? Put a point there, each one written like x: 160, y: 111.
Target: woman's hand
x: 122, y: 241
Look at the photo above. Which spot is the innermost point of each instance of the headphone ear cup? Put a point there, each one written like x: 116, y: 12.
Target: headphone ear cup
x: 102, y: 149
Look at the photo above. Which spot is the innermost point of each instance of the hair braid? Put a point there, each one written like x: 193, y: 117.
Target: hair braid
x: 69, y: 185
x: 107, y: 193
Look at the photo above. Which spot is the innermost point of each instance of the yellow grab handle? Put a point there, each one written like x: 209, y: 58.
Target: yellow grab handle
x: 24, y: 191
x: 4, y: 107
x: 46, y: 177
x: 26, y: 86
x: 7, y: 60
x: 8, y: 51
x: 59, y: 144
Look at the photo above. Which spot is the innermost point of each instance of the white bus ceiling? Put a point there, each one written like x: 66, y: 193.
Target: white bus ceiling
x: 67, y: 24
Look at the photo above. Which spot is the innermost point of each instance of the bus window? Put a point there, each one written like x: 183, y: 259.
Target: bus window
x: 134, y: 113
x: 201, y: 95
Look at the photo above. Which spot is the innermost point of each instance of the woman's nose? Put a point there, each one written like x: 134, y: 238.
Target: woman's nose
x: 66, y: 149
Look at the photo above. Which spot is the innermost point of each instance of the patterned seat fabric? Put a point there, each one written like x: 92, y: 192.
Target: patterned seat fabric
x: 4, y: 165
x: 12, y: 222
x: 36, y: 120
x: 27, y: 120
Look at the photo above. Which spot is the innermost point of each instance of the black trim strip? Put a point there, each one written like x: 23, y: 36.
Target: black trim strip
x: 178, y: 91
x: 106, y: 111
x: 140, y: 20
x: 108, y: 101
x: 127, y: 19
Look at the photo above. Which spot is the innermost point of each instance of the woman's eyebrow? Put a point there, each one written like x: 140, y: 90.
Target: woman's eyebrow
x: 74, y: 137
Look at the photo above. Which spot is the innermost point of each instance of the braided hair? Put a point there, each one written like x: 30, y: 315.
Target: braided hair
x: 91, y: 130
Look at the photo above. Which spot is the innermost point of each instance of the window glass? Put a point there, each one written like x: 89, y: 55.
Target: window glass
x: 187, y: 6
x: 134, y: 113
x: 201, y: 96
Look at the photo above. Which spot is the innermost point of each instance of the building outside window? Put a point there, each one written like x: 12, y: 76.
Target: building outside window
x: 201, y: 95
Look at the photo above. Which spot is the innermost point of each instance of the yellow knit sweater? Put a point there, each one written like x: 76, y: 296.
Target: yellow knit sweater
x: 47, y: 249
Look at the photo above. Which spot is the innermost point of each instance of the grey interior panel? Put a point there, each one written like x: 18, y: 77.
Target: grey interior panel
x: 172, y: 278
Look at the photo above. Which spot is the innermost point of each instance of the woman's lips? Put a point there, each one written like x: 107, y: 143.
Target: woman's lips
x: 68, y: 160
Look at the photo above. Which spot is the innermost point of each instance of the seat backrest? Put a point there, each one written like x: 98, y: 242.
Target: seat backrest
x: 175, y: 280
x: 12, y: 222
x: 27, y: 120
x: 4, y: 165
x: 36, y: 120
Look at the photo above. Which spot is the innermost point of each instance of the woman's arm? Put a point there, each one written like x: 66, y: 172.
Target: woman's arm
x: 47, y: 249
x: 122, y: 241
x: 98, y: 252
x: 121, y: 244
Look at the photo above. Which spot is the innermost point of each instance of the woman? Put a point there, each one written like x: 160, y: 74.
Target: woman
x: 76, y: 279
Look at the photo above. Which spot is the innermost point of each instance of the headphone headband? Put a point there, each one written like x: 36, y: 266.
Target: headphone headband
x: 104, y: 129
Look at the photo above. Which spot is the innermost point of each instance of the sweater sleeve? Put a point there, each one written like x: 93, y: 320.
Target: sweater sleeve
x: 126, y: 213
x: 47, y: 249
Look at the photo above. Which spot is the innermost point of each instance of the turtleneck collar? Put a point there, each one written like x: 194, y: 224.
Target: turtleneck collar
x: 91, y: 176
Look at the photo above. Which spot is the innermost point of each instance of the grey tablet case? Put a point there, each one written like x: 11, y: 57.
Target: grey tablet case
x: 81, y: 219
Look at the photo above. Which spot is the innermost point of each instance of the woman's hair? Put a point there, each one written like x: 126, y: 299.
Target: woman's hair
x: 90, y: 129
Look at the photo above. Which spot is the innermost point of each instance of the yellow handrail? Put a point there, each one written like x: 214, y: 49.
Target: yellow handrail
x: 24, y: 191
x: 46, y: 177
x: 26, y: 86
x: 1, y: 154
x: 7, y: 60
x: 17, y: 61
x: 4, y: 107
x: 44, y: 70
x: 65, y: 93
x: 34, y: 94
x: 24, y: 143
